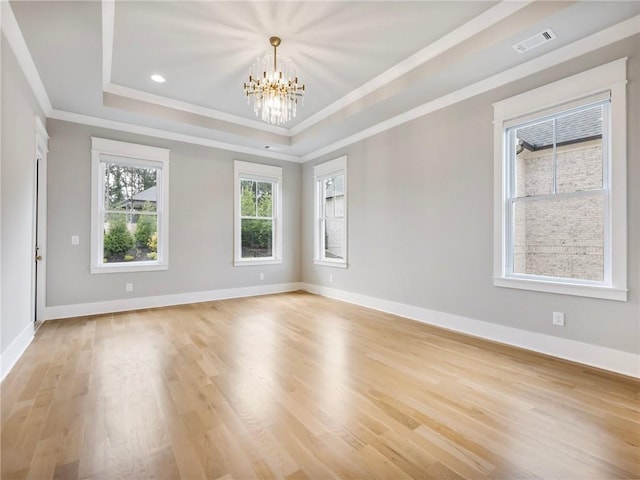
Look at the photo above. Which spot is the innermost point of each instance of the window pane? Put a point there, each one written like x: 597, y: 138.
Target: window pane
x: 256, y: 238
x: 130, y: 237
x: 334, y: 238
x: 130, y: 188
x: 248, y: 198
x: 333, y: 196
x: 560, y: 237
x: 265, y: 199
x: 534, y: 159
x: 579, y: 151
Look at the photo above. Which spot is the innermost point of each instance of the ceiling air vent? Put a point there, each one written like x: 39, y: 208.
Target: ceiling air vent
x: 535, y: 41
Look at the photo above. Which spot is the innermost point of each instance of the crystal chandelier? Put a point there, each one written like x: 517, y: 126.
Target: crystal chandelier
x: 274, y: 87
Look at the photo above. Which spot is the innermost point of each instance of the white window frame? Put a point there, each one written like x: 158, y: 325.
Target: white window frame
x: 321, y: 172
x: 103, y: 151
x: 606, y: 81
x: 260, y: 173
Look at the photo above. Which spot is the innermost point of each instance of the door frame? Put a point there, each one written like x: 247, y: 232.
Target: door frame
x: 39, y: 274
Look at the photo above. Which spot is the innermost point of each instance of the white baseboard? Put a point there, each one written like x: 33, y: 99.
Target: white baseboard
x: 617, y: 361
x: 137, y: 303
x: 14, y: 351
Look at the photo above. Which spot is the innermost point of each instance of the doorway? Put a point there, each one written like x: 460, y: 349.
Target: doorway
x: 39, y: 271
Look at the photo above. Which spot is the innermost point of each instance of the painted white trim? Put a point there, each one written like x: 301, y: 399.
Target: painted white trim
x: 610, y: 78
x: 605, y: 358
x: 19, y: 46
x: 593, y: 291
x: 41, y: 130
x: 321, y: 172
x: 326, y: 169
x: 483, y: 21
x: 577, y: 87
x: 40, y: 219
x: 165, y: 134
x: 129, y: 150
x: 13, y: 352
x: 141, y: 155
x: 138, y: 303
x: 129, y: 267
x: 330, y: 263
x: 593, y: 42
x: 108, y: 22
x: 588, y: 44
x: 474, y: 26
x: 147, y: 97
x: 268, y: 173
x: 257, y: 169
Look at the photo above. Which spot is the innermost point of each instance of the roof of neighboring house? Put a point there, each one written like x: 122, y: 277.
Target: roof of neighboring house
x: 573, y: 128
x: 148, y: 195
x: 336, y: 188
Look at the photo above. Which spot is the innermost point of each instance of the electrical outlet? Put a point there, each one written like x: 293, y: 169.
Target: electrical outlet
x: 75, y: 240
x: 330, y: 278
x: 558, y: 319
x: 261, y: 276
x: 129, y: 287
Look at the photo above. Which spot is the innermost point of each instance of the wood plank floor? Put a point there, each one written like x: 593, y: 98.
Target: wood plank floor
x: 298, y: 386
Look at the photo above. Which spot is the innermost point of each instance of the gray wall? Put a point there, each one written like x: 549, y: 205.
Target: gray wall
x: 200, y: 222
x: 420, y: 205
x: 17, y: 167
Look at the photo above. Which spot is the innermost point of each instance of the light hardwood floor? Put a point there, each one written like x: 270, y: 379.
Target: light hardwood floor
x: 298, y: 386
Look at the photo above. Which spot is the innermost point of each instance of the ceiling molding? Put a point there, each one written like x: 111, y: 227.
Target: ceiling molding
x: 483, y: 21
x: 474, y: 26
x: 19, y: 46
x: 108, y: 26
x: 108, y: 21
x: 166, y: 134
x: 147, y: 97
x: 583, y: 46
x: 597, y: 40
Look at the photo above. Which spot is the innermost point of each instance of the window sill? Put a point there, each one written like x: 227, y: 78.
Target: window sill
x: 329, y: 263
x: 127, y: 268
x: 593, y: 291
x: 258, y: 261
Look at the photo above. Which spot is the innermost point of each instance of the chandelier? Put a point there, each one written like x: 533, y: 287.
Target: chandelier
x: 276, y: 90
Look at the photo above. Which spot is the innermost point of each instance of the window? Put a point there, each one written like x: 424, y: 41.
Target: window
x: 258, y: 217
x: 331, y: 213
x: 561, y: 189
x: 130, y: 189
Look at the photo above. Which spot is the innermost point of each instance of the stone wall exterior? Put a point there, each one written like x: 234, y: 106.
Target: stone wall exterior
x: 560, y: 237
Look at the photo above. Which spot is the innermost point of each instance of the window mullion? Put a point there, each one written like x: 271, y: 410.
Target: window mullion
x: 549, y: 196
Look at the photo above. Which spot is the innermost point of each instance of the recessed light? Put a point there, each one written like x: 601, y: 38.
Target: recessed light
x: 158, y: 78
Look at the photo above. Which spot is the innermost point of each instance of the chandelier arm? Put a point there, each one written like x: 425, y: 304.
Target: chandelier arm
x: 275, y: 95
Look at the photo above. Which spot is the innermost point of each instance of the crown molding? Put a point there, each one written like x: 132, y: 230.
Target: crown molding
x: 19, y: 46
x: 108, y: 26
x: 588, y: 44
x: 14, y: 36
x: 483, y: 21
x: 166, y: 134
x: 474, y: 26
x: 152, y: 98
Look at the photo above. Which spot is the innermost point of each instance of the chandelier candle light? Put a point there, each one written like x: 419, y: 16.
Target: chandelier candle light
x: 276, y: 90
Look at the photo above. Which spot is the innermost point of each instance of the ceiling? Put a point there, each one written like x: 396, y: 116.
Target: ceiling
x: 364, y: 63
